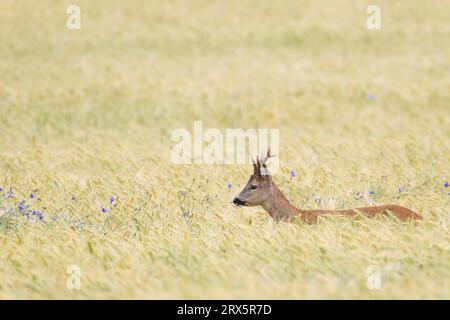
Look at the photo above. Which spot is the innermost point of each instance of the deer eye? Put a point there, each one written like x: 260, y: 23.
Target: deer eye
x: 253, y: 187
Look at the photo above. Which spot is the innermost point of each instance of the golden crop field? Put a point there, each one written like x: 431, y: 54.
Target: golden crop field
x: 92, y: 206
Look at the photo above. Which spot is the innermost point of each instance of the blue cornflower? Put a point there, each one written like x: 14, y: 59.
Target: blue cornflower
x: 292, y: 173
x: 446, y: 184
x: 22, y: 206
x: 38, y: 214
x: 229, y: 185
x: 104, y: 210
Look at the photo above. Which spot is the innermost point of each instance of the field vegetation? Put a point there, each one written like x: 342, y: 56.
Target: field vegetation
x: 86, y: 176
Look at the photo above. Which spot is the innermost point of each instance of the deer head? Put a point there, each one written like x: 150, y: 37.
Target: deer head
x: 259, y: 186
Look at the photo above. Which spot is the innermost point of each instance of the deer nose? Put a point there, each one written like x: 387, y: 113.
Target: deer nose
x: 238, y: 202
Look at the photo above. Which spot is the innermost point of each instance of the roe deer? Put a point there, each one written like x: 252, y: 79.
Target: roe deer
x: 262, y: 191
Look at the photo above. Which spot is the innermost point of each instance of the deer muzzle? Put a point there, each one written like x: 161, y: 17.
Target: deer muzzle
x: 238, y: 202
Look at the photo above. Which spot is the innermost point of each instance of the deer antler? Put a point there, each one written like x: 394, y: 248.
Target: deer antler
x: 256, y: 166
x: 263, y: 162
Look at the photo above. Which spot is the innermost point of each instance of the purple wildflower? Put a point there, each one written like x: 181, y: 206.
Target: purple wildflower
x: 22, y: 206
x: 1, y: 189
x: 104, y: 210
x: 371, y: 96
x: 318, y: 199
x: 38, y: 214
x: 32, y: 196
x: 292, y: 173
x: 229, y: 185
x: 446, y: 184
x: 111, y: 200
x: 371, y: 192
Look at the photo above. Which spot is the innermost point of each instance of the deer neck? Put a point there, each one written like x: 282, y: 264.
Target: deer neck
x: 278, y: 206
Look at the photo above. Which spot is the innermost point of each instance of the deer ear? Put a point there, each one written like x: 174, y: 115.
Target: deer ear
x: 265, y: 171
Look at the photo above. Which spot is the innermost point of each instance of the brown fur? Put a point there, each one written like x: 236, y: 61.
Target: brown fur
x: 262, y: 191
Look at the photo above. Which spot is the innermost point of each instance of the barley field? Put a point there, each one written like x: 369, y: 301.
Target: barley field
x: 92, y: 206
